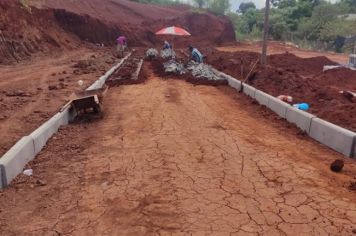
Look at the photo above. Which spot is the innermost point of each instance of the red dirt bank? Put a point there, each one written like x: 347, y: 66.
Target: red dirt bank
x: 140, y: 21
x: 301, y: 78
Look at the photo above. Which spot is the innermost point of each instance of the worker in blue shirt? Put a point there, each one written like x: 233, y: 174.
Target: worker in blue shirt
x: 167, y: 45
x: 195, y: 55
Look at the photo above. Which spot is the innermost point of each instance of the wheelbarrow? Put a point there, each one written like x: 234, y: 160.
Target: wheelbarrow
x: 87, y: 101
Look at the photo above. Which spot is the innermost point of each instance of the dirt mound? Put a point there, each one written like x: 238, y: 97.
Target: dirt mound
x: 25, y: 31
x: 304, y: 66
x: 140, y: 21
x: 301, y: 78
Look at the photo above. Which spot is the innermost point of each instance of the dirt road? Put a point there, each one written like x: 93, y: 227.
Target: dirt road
x: 173, y: 158
x: 31, y: 92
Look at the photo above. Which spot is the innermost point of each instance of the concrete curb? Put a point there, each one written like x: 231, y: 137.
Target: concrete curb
x: 101, y: 81
x: 354, y: 147
x: 278, y: 106
x: 300, y: 118
x: 137, y: 72
x: 262, y: 98
x: 25, y: 150
x: 249, y: 90
x: 13, y: 162
x: 331, y: 135
x: 234, y: 83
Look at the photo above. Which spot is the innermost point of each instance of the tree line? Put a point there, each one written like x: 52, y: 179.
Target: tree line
x: 315, y: 24
x: 219, y: 7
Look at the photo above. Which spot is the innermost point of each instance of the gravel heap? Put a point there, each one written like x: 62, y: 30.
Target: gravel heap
x: 168, y: 53
x: 198, y: 70
x: 173, y: 66
x: 151, y: 53
x: 201, y: 70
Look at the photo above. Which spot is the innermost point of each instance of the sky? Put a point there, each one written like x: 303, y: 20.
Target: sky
x: 259, y: 3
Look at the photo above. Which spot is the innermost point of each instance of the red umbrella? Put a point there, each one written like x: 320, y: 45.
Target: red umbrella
x: 173, y: 30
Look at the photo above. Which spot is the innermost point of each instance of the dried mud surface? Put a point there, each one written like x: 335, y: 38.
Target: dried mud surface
x: 181, y: 159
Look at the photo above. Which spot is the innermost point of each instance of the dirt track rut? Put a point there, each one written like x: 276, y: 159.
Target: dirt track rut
x: 173, y: 158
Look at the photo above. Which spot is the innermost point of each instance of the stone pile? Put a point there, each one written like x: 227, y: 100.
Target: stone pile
x: 173, y: 66
x: 168, y: 53
x: 151, y: 53
x: 201, y: 70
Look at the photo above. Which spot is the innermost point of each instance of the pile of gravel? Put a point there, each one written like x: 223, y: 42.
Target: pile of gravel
x: 173, y: 66
x: 201, y: 70
x: 168, y: 53
x: 151, y: 53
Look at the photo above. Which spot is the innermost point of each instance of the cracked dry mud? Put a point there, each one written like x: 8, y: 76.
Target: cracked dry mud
x: 173, y: 158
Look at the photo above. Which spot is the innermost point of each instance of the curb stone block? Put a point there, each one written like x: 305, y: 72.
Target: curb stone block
x: 249, y: 90
x: 25, y: 150
x: 3, y: 181
x: 354, y: 153
x: 262, y: 97
x: 333, y: 136
x: 278, y: 106
x: 95, y: 85
x: 13, y: 162
x: 234, y: 83
x: 66, y: 116
x: 300, y: 118
x: 41, y: 135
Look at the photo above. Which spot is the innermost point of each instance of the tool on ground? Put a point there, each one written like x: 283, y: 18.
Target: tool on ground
x: 348, y: 94
x: 249, y: 73
x: 87, y: 101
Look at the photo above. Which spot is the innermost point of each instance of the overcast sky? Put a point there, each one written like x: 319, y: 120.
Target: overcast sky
x: 259, y: 3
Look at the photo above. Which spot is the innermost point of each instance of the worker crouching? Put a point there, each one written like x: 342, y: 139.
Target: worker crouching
x: 195, y: 55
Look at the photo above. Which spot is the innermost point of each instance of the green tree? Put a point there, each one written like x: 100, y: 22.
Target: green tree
x: 284, y: 3
x: 245, y: 6
x: 200, y: 3
x: 220, y: 7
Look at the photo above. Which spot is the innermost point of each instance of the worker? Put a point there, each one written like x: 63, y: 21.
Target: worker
x: 195, y: 55
x: 166, y: 45
x: 121, y: 45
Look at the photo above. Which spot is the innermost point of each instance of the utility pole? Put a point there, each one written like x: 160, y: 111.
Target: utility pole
x: 265, y: 34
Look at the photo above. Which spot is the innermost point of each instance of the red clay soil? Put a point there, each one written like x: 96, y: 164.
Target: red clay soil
x: 301, y: 78
x: 125, y: 74
x: 24, y: 32
x: 302, y: 66
x: 33, y: 91
x: 277, y: 47
x: 28, y: 31
x: 139, y: 21
x: 181, y: 160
